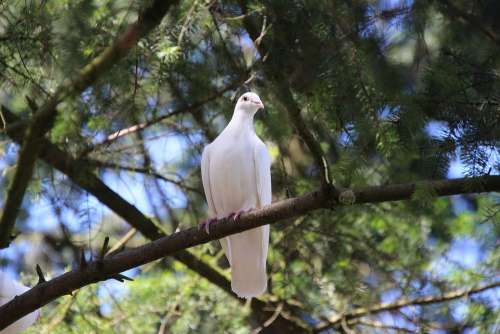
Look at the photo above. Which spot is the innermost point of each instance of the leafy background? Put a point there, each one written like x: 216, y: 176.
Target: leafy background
x: 395, y: 91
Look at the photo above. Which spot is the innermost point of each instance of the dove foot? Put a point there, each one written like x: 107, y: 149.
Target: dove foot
x: 206, y: 224
x: 236, y: 215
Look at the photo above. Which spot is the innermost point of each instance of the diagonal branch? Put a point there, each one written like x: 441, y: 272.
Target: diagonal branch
x: 282, y: 91
x: 81, y: 173
x: 43, y: 119
x: 381, y: 325
x: 143, y: 170
x: 323, y: 198
x: 285, y: 96
x: 191, y: 108
x: 361, y: 312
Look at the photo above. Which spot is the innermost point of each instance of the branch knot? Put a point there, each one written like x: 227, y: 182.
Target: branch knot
x: 347, y: 197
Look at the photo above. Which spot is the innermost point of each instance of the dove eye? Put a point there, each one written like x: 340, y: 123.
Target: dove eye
x: 245, y: 98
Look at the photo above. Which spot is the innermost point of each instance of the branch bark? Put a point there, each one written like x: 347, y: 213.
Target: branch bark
x: 361, y: 312
x: 43, y: 119
x: 324, y: 198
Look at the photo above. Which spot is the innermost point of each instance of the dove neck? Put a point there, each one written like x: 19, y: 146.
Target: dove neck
x: 242, y: 120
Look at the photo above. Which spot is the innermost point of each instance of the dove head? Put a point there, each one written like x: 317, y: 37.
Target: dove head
x: 249, y: 103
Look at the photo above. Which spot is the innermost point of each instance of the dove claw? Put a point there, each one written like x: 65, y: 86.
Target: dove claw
x: 237, y: 215
x: 206, y: 224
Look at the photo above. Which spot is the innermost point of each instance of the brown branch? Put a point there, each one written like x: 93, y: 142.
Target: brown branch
x: 81, y: 173
x: 361, y: 312
x: 324, y: 198
x: 269, y: 321
x: 197, y: 116
x: 185, y: 109
x: 123, y: 241
x: 187, y: 22
x: 380, y: 325
x: 43, y: 119
x: 285, y: 96
x: 282, y: 91
x: 142, y: 170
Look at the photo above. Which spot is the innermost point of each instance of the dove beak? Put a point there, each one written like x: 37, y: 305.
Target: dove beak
x: 259, y: 104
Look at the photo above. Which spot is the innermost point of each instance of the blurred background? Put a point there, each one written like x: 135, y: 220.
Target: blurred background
x: 393, y: 91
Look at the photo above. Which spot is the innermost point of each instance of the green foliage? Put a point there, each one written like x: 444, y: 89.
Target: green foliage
x: 181, y: 301
x: 392, y: 94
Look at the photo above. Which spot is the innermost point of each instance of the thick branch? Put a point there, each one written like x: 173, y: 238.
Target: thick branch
x: 361, y: 312
x: 44, y: 117
x: 180, y: 241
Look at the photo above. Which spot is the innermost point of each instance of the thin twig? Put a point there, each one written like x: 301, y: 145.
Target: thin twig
x: 189, y: 16
x: 138, y: 127
x: 2, y: 118
x: 282, y: 91
x: 383, y: 307
x: 142, y: 170
x: 123, y: 241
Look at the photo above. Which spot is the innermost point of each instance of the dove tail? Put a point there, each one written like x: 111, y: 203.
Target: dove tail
x: 247, y: 253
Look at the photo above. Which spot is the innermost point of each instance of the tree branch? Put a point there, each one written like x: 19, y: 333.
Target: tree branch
x: 186, y: 108
x: 361, y: 312
x: 142, y: 170
x: 325, y: 198
x: 285, y: 96
x: 81, y: 173
x: 283, y: 93
x: 44, y: 117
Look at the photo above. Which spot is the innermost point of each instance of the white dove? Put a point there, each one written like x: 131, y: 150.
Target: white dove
x: 8, y: 290
x: 236, y: 174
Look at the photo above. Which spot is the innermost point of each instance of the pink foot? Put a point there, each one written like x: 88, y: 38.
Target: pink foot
x: 206, y: 224
x: 236, y: 215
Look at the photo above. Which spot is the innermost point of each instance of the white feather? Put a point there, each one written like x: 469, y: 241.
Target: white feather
x: 236, y: 176
x: 205, y: 176
x: 8, y: 290
x: 263, y: 178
